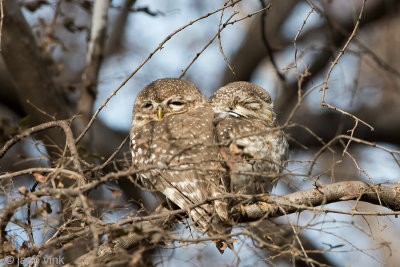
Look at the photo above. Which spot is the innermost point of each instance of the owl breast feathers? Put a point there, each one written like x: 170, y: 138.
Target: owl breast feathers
x: 251, y: 144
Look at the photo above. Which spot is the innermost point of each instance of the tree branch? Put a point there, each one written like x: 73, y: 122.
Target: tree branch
x: 93, y: 60
x: 386, y: 196
x: 29, y: 70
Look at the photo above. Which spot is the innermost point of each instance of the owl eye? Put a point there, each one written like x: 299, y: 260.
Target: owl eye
x: 252, y: 105
x: 176, y: 104
x: 148, y: 105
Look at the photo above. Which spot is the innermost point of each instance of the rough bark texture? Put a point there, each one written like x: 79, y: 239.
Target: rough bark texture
x: 355, y: 190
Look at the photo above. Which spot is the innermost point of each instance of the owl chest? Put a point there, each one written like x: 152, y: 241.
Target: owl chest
x: 151, y: 149
x: 169, y: 142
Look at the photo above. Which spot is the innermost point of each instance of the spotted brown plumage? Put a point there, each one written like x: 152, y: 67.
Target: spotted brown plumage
x: 253, y: 147
x: 173, y: 143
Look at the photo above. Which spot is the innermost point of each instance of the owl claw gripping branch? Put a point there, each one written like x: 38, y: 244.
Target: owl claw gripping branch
x: 180, y: 147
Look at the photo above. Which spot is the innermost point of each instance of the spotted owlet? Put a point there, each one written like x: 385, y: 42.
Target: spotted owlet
x: 253, y: 148
x: 174, y: 147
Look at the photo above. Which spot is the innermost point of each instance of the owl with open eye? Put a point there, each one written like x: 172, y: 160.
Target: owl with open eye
x: 173, y: 145
x: 252, y: 146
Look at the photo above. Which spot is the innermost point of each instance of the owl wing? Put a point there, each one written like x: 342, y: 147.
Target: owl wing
x: 253, y: 152
x: 196, y: 145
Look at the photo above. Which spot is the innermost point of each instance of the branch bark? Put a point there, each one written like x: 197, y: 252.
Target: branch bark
x: 386, y: 196
x: 94, y: 58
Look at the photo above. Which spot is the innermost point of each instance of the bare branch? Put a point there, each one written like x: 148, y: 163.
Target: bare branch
x: 311, y: 198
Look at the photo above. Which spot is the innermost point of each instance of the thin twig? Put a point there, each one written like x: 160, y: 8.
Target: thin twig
x: 112, y: 155
x: 41, y: 110
x: 266, y: 42
x: 341, y: 52
x: 1, y: 21
x: 26, y: 133
x: 205, y: 47
x: 220, y: 42
x: 66, y: 172
x: 64, y: 125
x: 349, y: 114
x: 351, y: 135
x: 297, y: 36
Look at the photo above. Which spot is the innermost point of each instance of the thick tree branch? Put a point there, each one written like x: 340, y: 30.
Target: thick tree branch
x: 29, y: 70
x: 386, y: 196
x: 93, y: 60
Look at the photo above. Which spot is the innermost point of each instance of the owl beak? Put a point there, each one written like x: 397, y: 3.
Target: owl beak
x: 160, y: 112
x: 271, y: 116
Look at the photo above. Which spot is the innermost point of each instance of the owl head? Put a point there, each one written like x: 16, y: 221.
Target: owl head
x: 243, y: 100
x: 166, y: 97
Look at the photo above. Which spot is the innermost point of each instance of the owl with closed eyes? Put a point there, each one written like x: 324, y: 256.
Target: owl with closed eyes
x: 252, y: 146
x: 174, y: 149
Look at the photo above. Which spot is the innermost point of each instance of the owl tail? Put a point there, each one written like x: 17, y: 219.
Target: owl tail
x: 222, y: 228
x: 214, y: 226
x: 223, y: 244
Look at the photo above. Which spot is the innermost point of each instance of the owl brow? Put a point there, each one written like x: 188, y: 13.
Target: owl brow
x: 250, y: 100
x: 174, y: 97
x: 147, y: 101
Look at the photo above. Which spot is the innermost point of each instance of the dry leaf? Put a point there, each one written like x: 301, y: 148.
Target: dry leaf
x: 40, y: 178
x: 115, y: 192
x: 22, y: 190
x: 47, y: 208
